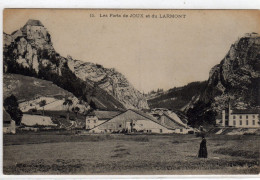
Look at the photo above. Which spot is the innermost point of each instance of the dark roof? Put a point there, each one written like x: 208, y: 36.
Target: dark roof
x: 104, y: 115
x: 245, y: 111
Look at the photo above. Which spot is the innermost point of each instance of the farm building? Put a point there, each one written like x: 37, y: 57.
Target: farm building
x: 242, y: 118
x: 8, y: 123
x: 172, y: 121
x: 95, y: 118
x: 132, y: 121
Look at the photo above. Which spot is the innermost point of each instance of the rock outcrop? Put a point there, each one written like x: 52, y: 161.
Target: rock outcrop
x: 29, y: 51
x: 109, y: 80
x: 236, y: 79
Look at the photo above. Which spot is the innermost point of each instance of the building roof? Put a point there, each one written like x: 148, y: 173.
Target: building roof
x: 147, y: 116
x: 176, y: 123
x: 245, y: 111
x: 140, y: 113
x: 104, y: 115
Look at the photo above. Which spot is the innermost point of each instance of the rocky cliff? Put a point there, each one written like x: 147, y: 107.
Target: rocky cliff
x: 237, y: 77
x: 29, y: 51
x: 235, y: 80
x: 109, y: 80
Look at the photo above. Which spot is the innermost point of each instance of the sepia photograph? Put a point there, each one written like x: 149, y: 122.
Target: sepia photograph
x: 131, y: 92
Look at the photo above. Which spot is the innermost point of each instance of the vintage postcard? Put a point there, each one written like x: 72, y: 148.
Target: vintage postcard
x: 131, y: 92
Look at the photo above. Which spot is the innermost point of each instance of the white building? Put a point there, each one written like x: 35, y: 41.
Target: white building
x: 137, y: 121
x: 246, y: 118
x: 132, y: 121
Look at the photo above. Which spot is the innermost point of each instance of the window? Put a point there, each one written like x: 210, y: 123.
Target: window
x: 120, y: 125
x: 180, y: 130
x: 247, y: 116
x: 105, y: 130
x: 246, y: 122
x: 234, y: 117
x: 160, y: 130
x: 253, y: 116
x: 253, y: 122
x: 240, y: 122
x: 234, y: 123
x: 240, y: 117
x: 95, y: 121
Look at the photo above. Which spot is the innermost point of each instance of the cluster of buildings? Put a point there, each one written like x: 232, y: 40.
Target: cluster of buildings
x: 158, y: 120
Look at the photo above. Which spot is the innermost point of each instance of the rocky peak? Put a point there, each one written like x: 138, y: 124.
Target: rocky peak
x: 36, y: 33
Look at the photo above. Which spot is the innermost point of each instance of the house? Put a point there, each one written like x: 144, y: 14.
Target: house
x: 132, y: 121
x: 242, y: 118
x: 95, y: 118
x: 8, y: 123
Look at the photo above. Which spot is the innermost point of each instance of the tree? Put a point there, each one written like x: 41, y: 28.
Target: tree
x: 201, y: 114
x: 76, y: 111
x: 68, y: 103
x: 42, y: 104
x: 11, y: 106
x: 93, y: 105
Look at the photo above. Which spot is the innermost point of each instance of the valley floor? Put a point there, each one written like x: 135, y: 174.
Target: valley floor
x: 62, y: 153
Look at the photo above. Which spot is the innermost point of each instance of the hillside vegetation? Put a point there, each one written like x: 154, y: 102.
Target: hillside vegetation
x: 26, y: 88
x: 177, y: 98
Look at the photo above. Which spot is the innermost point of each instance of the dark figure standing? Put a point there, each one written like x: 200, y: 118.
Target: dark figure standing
x: 203, y: 148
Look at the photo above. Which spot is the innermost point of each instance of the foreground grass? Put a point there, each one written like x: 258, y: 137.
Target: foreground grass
x: 128, y: 154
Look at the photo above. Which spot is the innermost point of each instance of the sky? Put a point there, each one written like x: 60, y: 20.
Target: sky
x: 152, y: 53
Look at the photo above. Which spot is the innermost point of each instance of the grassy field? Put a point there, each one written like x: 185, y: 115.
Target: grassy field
x: 64, y: 153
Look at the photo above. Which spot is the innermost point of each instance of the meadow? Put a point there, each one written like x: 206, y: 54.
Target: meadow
x: 69, y: 153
